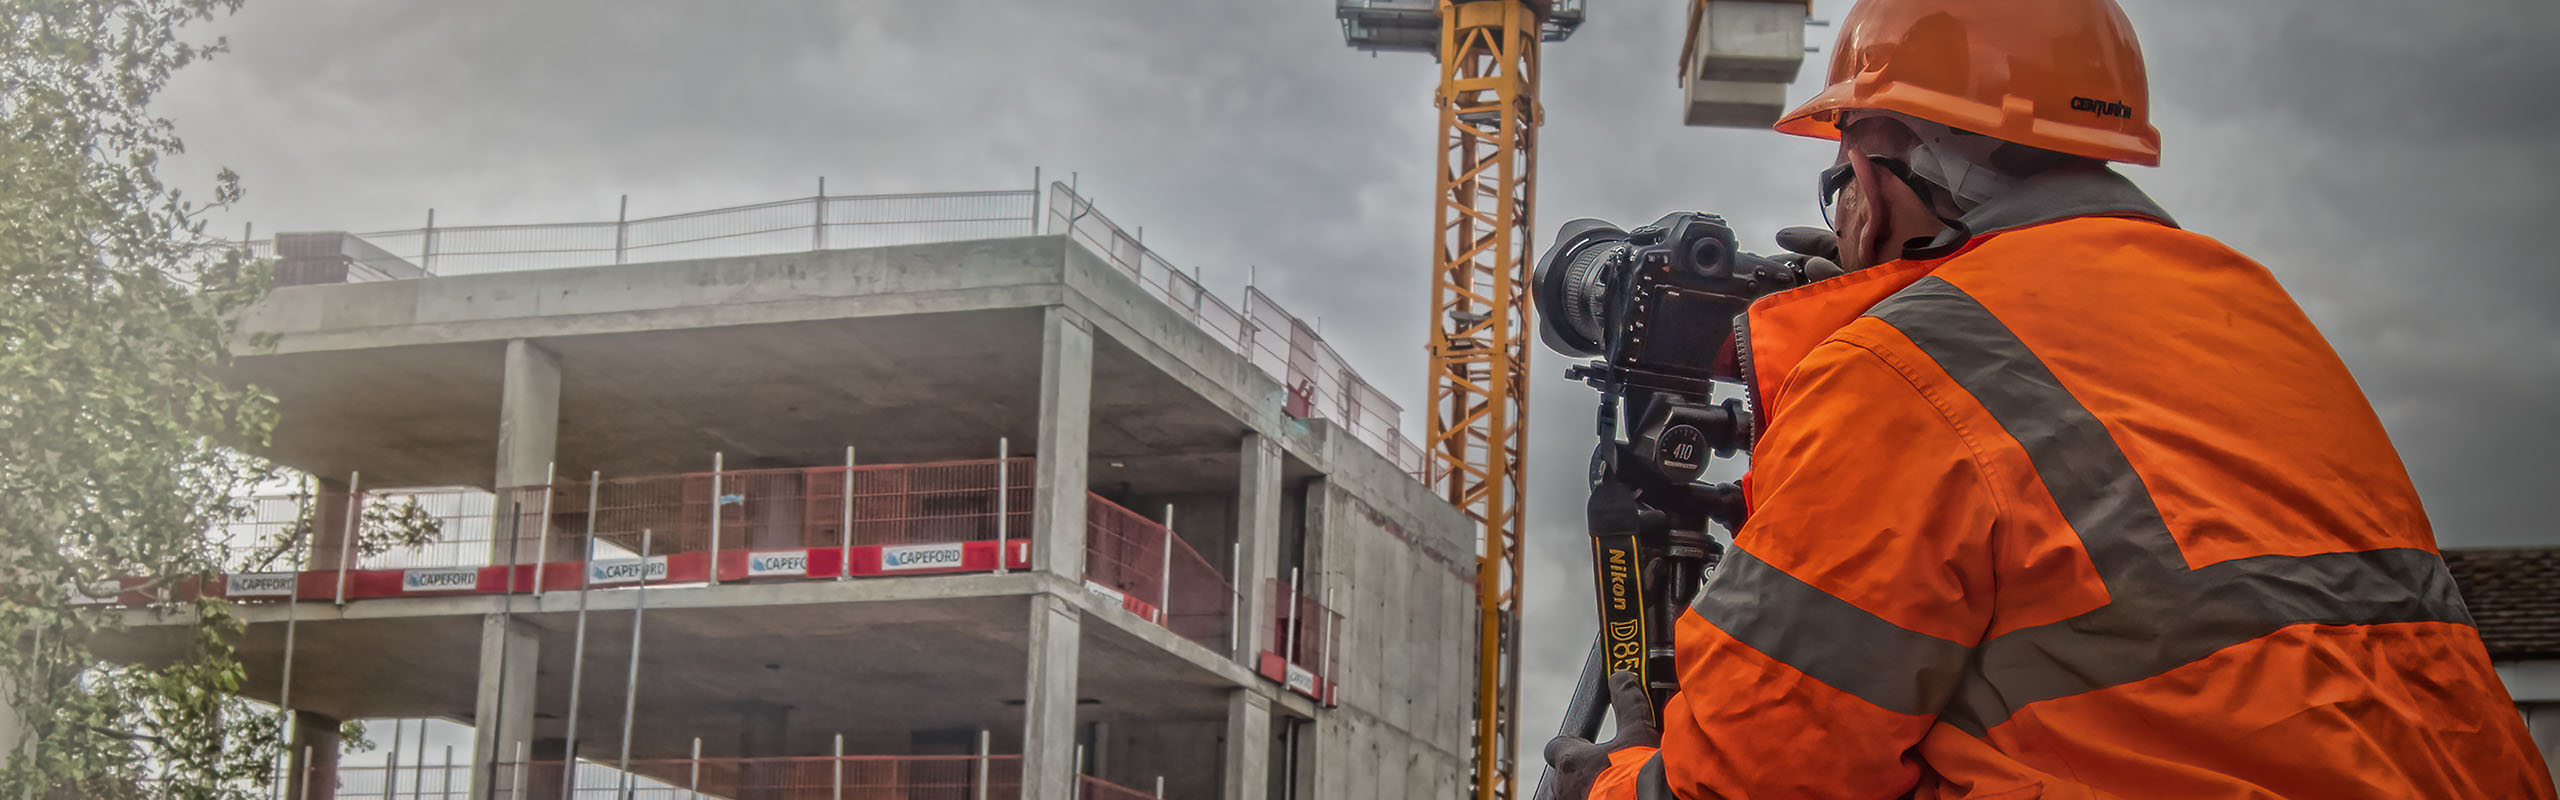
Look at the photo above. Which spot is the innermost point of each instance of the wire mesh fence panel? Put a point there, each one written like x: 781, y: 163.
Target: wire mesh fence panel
x: 1123, y: 550
x: 785, y: 226
x: 1302, y: 630
x: 940, y: 503
x: 1128, y: 553
x: 1199, y: 599
x: 1092, y: 788
x: 786, y: 778
x: 1269, y: 337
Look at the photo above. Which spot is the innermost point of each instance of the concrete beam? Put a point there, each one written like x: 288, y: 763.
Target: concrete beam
x: 1066, y: 416
x: 1248, y: 760
x: 1258, y: 492
x: 1049, y: 701
x: 502, y: 719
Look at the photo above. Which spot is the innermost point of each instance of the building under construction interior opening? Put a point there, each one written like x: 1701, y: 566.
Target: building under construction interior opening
x: 959, y: 495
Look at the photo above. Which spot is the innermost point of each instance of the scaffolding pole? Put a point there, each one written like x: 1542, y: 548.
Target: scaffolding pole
x: 578, y: 641
x: 631, y: 677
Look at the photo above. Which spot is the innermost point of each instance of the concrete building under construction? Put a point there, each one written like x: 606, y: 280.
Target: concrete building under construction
x: 926, y: 496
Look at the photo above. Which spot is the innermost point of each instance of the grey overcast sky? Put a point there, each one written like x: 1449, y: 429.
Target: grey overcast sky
x: 2393, y: 162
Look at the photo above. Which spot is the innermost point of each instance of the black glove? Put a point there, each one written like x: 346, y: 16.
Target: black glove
x: 1578, y: 762
x: 1816, y: 251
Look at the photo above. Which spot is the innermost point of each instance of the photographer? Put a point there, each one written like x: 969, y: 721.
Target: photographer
x: 2050, y: 498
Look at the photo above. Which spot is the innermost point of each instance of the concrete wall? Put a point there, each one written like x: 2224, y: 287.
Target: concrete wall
x: 1407, y: 645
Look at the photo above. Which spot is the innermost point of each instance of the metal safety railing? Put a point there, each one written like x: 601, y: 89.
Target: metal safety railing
x: 969, y: 514
x: 819, y: 222
x: 1304, y: 637
x: 1155, y: 573
x: 1319, y: 382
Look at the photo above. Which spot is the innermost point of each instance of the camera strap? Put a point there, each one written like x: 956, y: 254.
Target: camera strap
x: 1618, y: 571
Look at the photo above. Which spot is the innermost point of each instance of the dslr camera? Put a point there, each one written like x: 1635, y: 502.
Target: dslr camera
x: 1656, y: 308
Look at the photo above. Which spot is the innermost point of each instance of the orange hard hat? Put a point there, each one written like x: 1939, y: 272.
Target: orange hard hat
x: 2062, y: 75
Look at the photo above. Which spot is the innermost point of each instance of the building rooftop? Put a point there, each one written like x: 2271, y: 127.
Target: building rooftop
x: 2514, y: 595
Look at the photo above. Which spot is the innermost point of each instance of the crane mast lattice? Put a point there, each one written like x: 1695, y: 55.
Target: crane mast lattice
x: 1479, y: 350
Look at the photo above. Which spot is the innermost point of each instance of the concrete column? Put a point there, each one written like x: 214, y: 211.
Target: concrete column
x: 1049, y: 701
x: 1066, y: 412
x: 328, y: 528
x: 321, y: 735
x: 1248, y: 761
x: 503, y: 718
x: 763, y: 730
x: 528, y: 438
x: 1258, y: 534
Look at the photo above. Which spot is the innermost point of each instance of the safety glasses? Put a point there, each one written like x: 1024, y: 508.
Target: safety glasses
x: 1837, y: 178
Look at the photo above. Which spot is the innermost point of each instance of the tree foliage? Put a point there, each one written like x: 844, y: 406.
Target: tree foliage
x: 113, y: 333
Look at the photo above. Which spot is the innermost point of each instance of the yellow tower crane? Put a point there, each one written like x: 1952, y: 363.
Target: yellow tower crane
x: 1734, y: 69
x: 1488, y: 98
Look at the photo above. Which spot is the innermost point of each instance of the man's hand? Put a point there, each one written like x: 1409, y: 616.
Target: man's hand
x: 1816, y: 251
x: 1578, y: 762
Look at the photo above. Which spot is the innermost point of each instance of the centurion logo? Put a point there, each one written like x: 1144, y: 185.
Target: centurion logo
x: 790, y: 562
x: 2103, y: 108
x: 626, y: 570
x: 258, y: 584
x: 462, y: 579
x: 920, y: 556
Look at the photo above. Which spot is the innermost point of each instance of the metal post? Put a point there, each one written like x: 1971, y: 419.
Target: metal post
x: 391, y: 763
x: 578, y: 642
x: 1289, y: 653
x: 306, y: 773
x: 818, y: 232
x: 542, y: 537
x: 347, y: 533
x: 986, y: 741
x: 1004, y: 490
x: 622, y: 229
x: 631, y: 678
x: 292, y: 614
x: 844, y: 571
x: 1324, y: 646
x: 1159, y: 787
x: 1036, y: 219
x: 515, y: 788
x: 418, y: 766
x: 506, y: 629
x: 444, y: 788
x: 693, y: 784
x: 1164, y: 576
x: 427, y: 245
x: 717, y: 462
x: 1235, y: 599
x: 839, y: 769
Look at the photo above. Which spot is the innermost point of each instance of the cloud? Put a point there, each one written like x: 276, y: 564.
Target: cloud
x: 2390, y: 162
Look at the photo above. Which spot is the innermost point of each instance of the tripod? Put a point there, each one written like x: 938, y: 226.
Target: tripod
x: 1648, y: 520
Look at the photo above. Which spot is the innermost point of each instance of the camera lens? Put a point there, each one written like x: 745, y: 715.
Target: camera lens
x: 1571, y: 286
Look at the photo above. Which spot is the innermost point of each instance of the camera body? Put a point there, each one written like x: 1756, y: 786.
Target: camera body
x: 1656, y: 306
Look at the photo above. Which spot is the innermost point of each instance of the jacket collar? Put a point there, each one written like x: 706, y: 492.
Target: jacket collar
x: 1783, y: 328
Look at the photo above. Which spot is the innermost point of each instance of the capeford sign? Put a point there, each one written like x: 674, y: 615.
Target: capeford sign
x: 258, y: 584
x: 779, y: 562
x: 450, y: 579
x: 626, y: 570
x: 920, y: 556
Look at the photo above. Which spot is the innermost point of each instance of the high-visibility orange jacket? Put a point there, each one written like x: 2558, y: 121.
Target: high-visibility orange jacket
x: 2081, y: 507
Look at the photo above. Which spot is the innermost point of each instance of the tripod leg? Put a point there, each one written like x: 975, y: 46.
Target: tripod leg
x: 1584, y: 711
